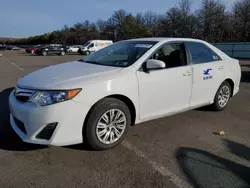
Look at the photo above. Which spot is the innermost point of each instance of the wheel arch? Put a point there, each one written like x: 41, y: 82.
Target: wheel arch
x: 120, y: 97
x: 231, y: 82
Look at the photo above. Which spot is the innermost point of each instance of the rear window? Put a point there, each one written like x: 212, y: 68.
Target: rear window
x: 200, y: 53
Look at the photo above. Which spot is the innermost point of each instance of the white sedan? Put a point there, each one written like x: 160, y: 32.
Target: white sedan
x: 74, y: 48
x: 126, y: 83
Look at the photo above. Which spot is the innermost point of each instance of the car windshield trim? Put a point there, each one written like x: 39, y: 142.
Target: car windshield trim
x: 99, y: 63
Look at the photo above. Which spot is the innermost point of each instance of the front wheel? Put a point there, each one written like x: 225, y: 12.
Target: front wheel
x: 87, y: 53
x: 222, y: 96
x: 107, y: 124
x: 62, y: 53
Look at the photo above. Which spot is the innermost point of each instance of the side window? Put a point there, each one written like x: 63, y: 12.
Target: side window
x: 173, y: 55
x: 200, y: 53
x: 91, y: 45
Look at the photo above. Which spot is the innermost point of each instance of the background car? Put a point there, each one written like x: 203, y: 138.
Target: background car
x: 33, y: 49
x: 10, y: 47
x: 93, y: 46
x: 51, y: 49
x: 74, y: 48
x: 2, y: 48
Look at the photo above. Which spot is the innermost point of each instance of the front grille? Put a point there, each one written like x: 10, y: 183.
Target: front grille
x: 20, y: 125
x: 47, y: 132
x: 23, y: 95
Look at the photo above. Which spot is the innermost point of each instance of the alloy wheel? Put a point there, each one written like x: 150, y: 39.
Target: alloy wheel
x: 111, y: 126
x: 223, y: 96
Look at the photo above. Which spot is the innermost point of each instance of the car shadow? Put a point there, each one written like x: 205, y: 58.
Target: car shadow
x: 82, y: 147
x: 238, y: 149
x: 9, y: 140
x: 207, y: 170
x: 205, y: 109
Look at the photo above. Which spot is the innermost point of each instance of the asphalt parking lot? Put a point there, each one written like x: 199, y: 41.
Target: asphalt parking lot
x: 177, y: 151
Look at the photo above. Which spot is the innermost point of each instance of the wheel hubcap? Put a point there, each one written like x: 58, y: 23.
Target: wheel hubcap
x: 224, y: 96
x: 111, y: 126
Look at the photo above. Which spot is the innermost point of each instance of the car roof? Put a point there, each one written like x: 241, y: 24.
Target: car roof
x: 164, y: 39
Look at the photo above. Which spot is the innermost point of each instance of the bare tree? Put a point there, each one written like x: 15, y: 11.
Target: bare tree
x: 211, y: 18
x: 173, y: 17
x: 118, y: 20
x: 241, y: 11
x: 187, y: 19
x: 150, y: 19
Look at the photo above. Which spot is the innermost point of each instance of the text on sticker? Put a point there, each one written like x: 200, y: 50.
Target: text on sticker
x: 143, y: 46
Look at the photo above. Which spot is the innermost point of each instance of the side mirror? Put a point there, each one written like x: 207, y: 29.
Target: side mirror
x: 152, y: 64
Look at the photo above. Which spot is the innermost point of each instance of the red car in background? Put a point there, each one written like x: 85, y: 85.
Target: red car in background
x: 33, y: 49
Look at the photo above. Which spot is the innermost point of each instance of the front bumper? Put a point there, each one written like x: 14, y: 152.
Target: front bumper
x: 69, y: 115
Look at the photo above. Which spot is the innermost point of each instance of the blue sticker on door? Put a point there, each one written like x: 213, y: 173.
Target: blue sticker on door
x: 207, y: 75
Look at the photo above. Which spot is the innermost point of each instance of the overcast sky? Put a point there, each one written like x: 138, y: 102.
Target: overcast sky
x: 24, y: 18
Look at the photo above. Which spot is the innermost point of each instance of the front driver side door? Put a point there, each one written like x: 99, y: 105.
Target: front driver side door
x: 91, y: 47
x: 166, y: 91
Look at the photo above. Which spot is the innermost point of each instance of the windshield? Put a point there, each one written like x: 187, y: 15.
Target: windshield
x: 120, y: 54
x: 86, y: 44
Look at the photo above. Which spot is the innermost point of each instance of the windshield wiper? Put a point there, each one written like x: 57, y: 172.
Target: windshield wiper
x: 94, y: 62
x: 82, y: 60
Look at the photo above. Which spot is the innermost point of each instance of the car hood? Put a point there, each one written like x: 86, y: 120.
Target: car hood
x: 64, y: 76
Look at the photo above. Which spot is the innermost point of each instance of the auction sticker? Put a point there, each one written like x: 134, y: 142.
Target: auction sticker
x: 143, y: 45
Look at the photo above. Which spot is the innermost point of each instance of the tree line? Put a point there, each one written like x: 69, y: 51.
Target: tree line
x: 212, y: 22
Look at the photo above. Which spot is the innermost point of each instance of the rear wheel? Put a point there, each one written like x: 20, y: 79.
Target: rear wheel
x: 222, y: 96
x: 62, y: 53
x: 107, y: 124
x: 44, y: 53
x: 32, y: 51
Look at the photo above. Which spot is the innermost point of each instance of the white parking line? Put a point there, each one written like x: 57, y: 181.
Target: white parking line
x: 14, y: 64
x: 17, y: 66
x: 158, y: 167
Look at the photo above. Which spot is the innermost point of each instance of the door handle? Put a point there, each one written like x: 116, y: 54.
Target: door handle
x: 221, y: 67
x: 187, y: 73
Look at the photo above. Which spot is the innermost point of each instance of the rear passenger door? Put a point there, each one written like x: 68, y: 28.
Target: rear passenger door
x: 208, y: 73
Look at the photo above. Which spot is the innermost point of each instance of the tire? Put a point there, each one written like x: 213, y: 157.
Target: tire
x: 44, y: 53
x: 32, y: 51
x: 224, y: 93
x: 87, y: 53
x: 62, y: 53
x: 106, y: 106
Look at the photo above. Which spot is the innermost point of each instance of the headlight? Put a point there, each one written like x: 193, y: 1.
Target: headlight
x: 44, y: 98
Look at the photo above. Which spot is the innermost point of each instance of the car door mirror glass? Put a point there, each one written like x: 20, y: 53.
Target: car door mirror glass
x: 155, y: 64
